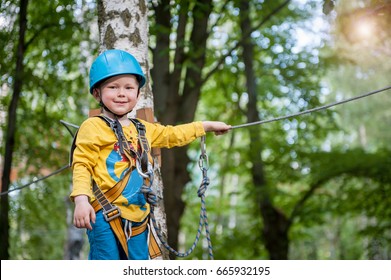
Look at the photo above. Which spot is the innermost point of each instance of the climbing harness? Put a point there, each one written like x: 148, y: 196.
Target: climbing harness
x: 112, y: 213
x: 145, y: 170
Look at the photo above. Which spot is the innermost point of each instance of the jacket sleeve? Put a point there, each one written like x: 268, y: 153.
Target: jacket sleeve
x: 84, y: 159
x: 173, y: 136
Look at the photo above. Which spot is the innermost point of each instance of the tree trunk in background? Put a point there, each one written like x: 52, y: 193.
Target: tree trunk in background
x: 275, y: 224
x: 123, y: 24
x: 173, y: 104
x: 11, y: 130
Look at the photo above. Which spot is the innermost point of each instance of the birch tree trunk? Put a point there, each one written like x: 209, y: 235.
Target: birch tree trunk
x: 123, y: 24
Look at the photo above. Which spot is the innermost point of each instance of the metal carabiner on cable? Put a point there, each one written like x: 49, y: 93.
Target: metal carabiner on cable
x: 203, y: 162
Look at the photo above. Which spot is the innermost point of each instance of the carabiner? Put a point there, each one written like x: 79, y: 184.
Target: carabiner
x: 147, y: 175
x: 203, y: 162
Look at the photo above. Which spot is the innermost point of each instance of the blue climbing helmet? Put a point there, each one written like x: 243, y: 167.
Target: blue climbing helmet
x: 112, y: 63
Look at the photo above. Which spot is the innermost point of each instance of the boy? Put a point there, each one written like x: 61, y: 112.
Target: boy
x: 110, y: 151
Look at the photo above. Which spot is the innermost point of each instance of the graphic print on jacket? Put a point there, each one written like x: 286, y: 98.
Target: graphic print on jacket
x: 132, y: 191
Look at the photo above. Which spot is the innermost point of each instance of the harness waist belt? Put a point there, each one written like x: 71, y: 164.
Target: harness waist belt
x: 112, y: 215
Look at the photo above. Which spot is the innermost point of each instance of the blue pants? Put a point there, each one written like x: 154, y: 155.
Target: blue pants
x: 104, y: 245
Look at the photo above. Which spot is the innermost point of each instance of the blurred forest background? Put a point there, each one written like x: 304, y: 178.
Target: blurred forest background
x: 317, y: 186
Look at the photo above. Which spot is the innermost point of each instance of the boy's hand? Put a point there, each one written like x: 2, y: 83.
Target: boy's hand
x: 84, y: 213
x: 217, y: 127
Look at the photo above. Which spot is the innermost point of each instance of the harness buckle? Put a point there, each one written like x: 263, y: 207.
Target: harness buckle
x: 111, y: 214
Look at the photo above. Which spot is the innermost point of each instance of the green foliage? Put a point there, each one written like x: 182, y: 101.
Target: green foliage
x: 346, y: 214
x: 54, y: 88
x: 351, y: 184
x: 352, y: 190
x: 38, y: 219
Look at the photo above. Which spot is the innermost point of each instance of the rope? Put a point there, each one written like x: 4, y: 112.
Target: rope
x: 203, y: 221
x: 67, y: 125
x: 312, y: 110
x: 36, y: 181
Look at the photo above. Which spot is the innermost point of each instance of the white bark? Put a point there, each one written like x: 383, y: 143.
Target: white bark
x: 123, y: 24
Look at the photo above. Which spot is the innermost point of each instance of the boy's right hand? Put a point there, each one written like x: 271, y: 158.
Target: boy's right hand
x: 84, y: 213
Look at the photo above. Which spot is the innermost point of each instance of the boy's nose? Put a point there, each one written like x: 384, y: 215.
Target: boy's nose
x: 121, y: 91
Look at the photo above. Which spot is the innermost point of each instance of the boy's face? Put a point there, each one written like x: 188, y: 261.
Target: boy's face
x: 119, y: 94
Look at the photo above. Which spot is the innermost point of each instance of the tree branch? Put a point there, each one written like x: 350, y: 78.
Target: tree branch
x: 243, y: 38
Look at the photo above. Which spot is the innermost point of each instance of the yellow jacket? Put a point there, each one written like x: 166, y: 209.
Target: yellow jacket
x: 97, y: 157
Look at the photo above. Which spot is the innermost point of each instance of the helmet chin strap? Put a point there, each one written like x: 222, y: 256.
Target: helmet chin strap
x: 108, y: 110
